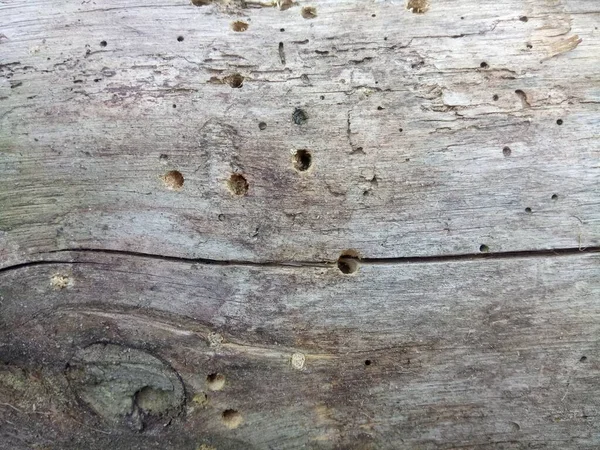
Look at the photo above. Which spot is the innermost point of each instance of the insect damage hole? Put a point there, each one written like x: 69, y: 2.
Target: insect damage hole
x: 309, y: 12
x: 506, y: 151
x: 262, y: 125
x: 237, y: 184
x: 368, y: 362
x: 239, y: 26
x: 173, y: 180
x: 231, y: 418
x: 484, y: 248
x: 236, y: 80
x: 299, y: 116
x: 180, y: 38
x: 302, y: 160
x: 103, y: 43
x: 215, y: 381
x: 348, y: 262
x: 418, y: 6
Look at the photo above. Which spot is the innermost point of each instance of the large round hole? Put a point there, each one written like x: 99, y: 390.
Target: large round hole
x: 231, y: 418
x: 239, y: 26
x: 348, y: 262
x: 237, y: 184
x: 235, y: 81
x: 302, y: 160
x: 309, y: 12
x: 215, y: 381
x: 173, y: 180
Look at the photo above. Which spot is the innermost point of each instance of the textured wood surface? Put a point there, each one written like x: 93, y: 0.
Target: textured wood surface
x: 177, y: 182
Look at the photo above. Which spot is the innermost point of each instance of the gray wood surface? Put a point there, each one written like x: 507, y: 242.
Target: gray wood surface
x: 178, y: 180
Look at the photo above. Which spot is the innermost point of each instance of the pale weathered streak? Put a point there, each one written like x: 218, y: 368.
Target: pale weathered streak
x: 150, y: 301
x: 83, y: 127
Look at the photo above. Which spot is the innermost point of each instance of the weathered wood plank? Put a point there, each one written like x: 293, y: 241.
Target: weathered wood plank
x: 98, y: 101
x: 494, y: 353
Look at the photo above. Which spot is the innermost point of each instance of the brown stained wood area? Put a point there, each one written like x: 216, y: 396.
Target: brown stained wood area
x: 337, y: 224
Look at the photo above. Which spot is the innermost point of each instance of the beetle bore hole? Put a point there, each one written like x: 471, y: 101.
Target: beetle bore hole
x: 559, y: 122
x: 215, y: 381
x: 506, y: 151
x: 231, y: 418
x: 583, y: 359
x: 103, y: 43
x: 237, y: 184
x: 554, y: 197
x: 239, y: 26
x: 302, y: 160
x: 309, y: 12
x: 484, y: 65
x: 523, y: 19
x: 368, y: 362
x: 262, y: 125
x: 180, y: 38
x: 484, y: 248
x: 173, y: 180
x: 495, y: 97
x: 348, y: 262
x: 236, y: 81
x: 528, y: 210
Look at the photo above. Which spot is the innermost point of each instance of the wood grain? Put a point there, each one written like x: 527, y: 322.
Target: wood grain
x: 496, y: 353
x: 177, y: 181
x: 405, y: 135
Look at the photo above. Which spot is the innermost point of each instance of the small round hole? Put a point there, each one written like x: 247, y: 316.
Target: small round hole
x: 221, y: 217
x: 484, y: 65
x: 559, y: 122
x: 506, y: 151
x: 237, y: 184
x: 239, y: 26
x: 528, y: 210
x: 309, y: 12
x: 322, y: 97
x: 554, y: 197
x: 380, y: 108
x: 163, y: 157
x: 231, y: 418
x: 373, y: 15
x: 495, y: 97
x: 180, y: 39
x: 529, y: 46
x: 236, y: 81
x: 103, y: 43
x: 523, y: 19
x: 174, y: 105
x: 282, y: 29
x: 302, y: 160
x: 173, y: 180
x: 215, y: 381
x: 367, y: 362
x: 262, y: 125
x: 583, y: 359
x: 484, y: 248
x: 400, y: 130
